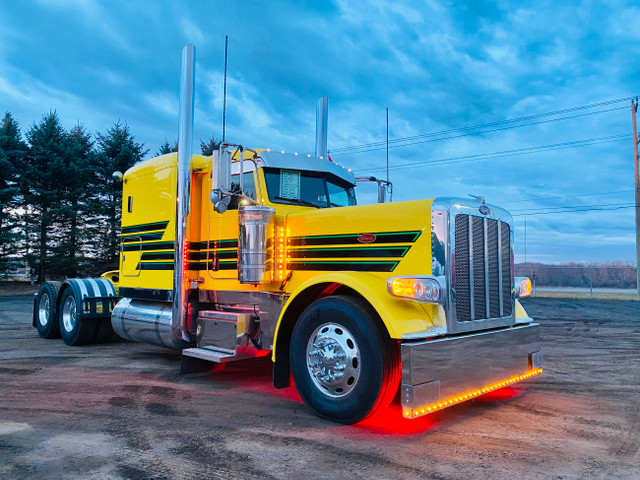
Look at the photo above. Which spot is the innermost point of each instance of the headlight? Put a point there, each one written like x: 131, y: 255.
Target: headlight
x: 523, y: 287
x: 421, y: 289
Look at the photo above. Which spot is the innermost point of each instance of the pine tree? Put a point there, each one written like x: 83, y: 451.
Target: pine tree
x: 43, y: 182
x: 74, y: 211
x: 167, y: 148
x: 12, y: 155
x: 117, y: 151
x: 209, y: 146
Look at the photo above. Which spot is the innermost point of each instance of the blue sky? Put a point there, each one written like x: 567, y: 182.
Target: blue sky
x: 437, y: 66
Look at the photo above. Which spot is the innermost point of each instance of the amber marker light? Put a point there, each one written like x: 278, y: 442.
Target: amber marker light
x: 523, y: 287
x: 421, y: 289
x: 280, y: 255
x: 418, y: 412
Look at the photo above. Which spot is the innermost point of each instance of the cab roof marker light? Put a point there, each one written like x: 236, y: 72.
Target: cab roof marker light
x: 420, y: 289
x: 523, y: 287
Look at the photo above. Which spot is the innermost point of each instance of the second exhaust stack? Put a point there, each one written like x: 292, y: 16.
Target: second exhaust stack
x: 322, y: 114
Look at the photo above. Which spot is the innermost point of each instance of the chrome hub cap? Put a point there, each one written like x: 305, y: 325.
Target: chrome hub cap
x: 333, y: 360
x: 69, y: 314
x: 43, y: 309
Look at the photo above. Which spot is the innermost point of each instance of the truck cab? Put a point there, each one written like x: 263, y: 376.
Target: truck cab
x: 351, y: 301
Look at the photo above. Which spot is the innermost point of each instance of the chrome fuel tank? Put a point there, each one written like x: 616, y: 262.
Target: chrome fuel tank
x: 146, y: 322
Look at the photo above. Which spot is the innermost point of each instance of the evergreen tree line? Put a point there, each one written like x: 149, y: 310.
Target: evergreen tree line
x: 60, y: 206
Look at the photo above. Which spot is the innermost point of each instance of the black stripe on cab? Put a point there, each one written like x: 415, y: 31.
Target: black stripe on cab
x: 136, y: 246
x: 136, y: 237
x: 363, y: 252
x: 145, y: 227
x: 390, y: 237
x: 338, y: 266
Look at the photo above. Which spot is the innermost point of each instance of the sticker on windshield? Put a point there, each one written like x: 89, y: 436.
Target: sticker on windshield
x: 290, y: 184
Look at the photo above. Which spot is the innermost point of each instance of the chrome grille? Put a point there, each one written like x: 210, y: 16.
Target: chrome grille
x: 482, y: 268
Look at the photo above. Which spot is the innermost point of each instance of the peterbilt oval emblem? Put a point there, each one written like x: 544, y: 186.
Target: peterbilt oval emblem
x: 485, y: 210
x: 367, y: 238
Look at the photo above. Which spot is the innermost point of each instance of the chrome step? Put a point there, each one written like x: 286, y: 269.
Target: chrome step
x: 211, y: 354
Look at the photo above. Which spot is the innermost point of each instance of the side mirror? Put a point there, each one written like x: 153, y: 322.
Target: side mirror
x: 221, y: 179
x: 117, y: 176
x: 383, y: 187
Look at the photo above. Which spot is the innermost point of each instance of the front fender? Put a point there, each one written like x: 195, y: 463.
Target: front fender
x: 399, y: 316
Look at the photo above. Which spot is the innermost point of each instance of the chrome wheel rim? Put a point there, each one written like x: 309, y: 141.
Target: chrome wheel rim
x: 43, y: 309
x: 69, y: 314
x: 333, y: 360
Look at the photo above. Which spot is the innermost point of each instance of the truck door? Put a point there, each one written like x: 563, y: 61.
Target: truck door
x: 130, y: 256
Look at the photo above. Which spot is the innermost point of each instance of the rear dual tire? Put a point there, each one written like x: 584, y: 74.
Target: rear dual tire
x: 75, y: 330
x: 46, y: 319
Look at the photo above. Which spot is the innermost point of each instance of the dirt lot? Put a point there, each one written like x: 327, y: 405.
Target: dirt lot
x: 121, y: 410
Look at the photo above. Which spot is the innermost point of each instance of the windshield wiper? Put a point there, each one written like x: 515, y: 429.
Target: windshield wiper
x: 298, y: 201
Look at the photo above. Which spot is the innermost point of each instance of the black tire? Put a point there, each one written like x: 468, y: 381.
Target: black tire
x: 46, y: 319
x: 73, y: 329
x: 328, y: 329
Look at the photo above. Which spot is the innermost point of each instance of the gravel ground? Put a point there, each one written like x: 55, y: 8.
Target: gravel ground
x: 121, y: 410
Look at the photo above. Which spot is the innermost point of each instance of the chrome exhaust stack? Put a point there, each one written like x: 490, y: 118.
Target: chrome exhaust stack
x: 322, y: 119
x: 165, y: 322
x: 179, y: 325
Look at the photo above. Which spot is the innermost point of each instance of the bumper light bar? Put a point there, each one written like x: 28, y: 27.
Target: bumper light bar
x: 421, y: 289
x: 433, y: 407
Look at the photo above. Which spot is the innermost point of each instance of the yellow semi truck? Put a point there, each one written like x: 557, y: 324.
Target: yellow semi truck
x: 247, y: 252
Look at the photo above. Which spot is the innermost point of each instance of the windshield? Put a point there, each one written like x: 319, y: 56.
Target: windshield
x: 314, y: 189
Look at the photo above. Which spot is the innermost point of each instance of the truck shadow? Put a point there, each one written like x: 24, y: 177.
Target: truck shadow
x: 255, y: 375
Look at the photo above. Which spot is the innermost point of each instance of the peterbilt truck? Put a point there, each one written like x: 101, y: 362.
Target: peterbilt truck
x: 251, y: 252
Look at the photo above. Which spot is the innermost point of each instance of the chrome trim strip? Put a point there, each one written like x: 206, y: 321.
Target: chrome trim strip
x: 500, y: 268
x: 472, y: 303
x: 487, y: 304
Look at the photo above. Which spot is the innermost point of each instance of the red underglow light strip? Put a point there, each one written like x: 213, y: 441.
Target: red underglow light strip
x: 433, y: 407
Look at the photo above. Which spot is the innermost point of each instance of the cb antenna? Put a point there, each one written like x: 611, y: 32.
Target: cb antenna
x: 224, y: 94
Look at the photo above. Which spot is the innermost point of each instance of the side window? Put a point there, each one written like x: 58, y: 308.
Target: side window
x: 249, y: 188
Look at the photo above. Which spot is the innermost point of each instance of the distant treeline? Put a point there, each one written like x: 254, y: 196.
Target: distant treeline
x: 603, y: 275
x: 59, y: 204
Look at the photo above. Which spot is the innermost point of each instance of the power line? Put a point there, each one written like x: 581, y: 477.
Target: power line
x: 549, y: 209
x: 342, y: 150
x: 510, y: 153
x: 566, y: 196
x: 577, y: 210
x: 373, y: 149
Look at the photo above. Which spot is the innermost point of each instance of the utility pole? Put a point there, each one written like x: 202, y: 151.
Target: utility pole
x: 634, y: 110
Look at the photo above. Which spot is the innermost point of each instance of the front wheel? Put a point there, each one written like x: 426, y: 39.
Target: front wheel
x: 343, y: 365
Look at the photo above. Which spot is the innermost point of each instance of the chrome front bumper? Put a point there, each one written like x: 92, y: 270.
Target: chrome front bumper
x: 441, y: 372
